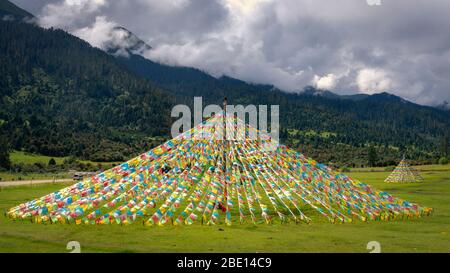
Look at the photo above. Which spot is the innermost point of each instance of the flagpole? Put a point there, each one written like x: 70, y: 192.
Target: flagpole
x: 225, y: 103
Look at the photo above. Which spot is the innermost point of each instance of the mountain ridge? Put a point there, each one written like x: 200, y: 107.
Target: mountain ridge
x: 125, y: 42
x: 10, y: 11
x: 445, y: 106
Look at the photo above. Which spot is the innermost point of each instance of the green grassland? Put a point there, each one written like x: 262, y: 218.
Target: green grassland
x: 310, y: 133
x: 428, y: 234
x: 11, y: 176
x: 436, y: 168
x: 20, y: 157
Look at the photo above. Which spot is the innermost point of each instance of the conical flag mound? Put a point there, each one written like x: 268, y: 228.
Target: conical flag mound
x: 198, y: 178
x: 404, y: 173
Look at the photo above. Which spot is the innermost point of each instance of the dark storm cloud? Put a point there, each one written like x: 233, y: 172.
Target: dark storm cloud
x: 402, y: 46
x: 168, y: 21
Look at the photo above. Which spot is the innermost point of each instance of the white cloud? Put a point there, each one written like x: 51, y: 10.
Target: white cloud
x: 99, y: 33
x: 64, y: 14
x: 326, y: 82
x: 106, y: 35
x: 111, y: 37
x: 166, y: 5
x: 244, y: 7
x: 372, y: 81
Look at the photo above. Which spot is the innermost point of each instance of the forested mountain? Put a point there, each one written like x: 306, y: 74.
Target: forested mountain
x: 444, y: 106
x: 9, y: 11
x: 322, y: 124
x: 60, y: 96
x: 124, y: 43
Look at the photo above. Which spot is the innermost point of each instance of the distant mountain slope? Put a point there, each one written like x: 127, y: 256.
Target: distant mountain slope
x: 60, y: 96
x: 125, y: 42
x: 354, y: 120
x: 9, y: 9
x: 311, y: 91
x: 444, y: 106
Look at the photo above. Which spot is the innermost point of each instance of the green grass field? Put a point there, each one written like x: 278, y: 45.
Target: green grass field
x: 27, y: 158
x: 20, y: 157
x: 8, y: 176
x: 429, y: 234
x: 437, y: 168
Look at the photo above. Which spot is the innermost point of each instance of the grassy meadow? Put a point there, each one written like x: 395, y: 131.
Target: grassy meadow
x: 428, y: 234
x: 18, y: 157
x: 28, y: 158
x: 24, y: 158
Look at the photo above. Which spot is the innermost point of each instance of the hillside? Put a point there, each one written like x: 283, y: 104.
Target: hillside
x: 60, y: 96
x: 9, y: 9
x: 327, y: 126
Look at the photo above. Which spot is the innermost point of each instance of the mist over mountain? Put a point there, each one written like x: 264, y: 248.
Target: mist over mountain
x: 126, y: 43
x: 444, y: 106
x: 344, y: 48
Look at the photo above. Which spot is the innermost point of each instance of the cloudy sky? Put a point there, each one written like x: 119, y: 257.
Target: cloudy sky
x: 347, y: 46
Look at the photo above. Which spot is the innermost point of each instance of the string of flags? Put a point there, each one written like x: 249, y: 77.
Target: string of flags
x: 199, y: 178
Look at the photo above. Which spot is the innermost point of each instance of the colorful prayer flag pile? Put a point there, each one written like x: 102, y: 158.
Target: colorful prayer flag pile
x: 404, y: 173
x: 198, y: 177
